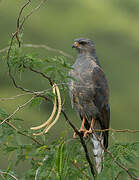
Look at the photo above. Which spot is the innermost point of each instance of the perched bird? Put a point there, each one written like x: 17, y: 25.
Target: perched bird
x: 89, y: 95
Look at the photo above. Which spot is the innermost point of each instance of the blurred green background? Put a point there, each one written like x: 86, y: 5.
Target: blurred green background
x: 114, y: 27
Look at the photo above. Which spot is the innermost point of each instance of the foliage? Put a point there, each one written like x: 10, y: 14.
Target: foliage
x: 57, y: 159
x: 62, y: 159
x: 125, y: 154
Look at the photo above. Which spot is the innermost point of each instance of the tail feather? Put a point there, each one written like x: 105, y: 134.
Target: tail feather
x: 98, y: 151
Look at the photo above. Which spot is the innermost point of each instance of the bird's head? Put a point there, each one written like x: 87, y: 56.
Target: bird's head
x: 84, y: 46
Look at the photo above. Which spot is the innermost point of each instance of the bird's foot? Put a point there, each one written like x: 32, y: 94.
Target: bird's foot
x: 87, y: 132
x: 81, y: 130
x: 84, y: 131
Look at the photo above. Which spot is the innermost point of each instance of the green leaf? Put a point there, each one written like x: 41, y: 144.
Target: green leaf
x: 60, y: 161
x: 36, y: 102
x: 49, y: 69
x: 10, y: 148
x: 18, y: 119
x: 3, y: 114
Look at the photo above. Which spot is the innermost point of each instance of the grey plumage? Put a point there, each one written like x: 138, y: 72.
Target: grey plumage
x: 90, y: 94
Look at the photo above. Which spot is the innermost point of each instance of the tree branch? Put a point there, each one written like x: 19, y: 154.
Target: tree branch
x: 49, y: 49
x: 19, y: 107
x: 15, y: 35
x: 82, y: 142
x: 44, y: 46
x: 117, y: 130
x: 20, y: 132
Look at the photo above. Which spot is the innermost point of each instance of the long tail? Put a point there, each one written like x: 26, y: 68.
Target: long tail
x: 98, y: 150
x: 99, y: 139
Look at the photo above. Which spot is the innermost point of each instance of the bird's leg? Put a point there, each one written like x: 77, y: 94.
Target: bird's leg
x: 90, y: 129
x: 82, y: 125
x: 82, y: 129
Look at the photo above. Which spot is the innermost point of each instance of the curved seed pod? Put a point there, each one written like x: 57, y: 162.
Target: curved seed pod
x: 59, y: 110
x: 52, y: 115
x: 57, y: 116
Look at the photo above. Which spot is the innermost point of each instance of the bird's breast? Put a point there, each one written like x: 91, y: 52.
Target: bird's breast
x: 82, y: 87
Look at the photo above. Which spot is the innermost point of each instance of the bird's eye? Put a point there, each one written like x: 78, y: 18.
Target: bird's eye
x: 83, y: 42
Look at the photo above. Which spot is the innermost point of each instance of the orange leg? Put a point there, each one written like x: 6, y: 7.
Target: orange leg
x: 82, y: 125
x: 90, y: 129
x: 82, y: 129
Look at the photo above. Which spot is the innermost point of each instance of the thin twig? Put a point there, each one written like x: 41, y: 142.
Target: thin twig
x: 4, y: 49
x: 20, y: 132
x: 9, y: 67
x: 15, y: 35
x: 117, y: 176
x: 30, y: 13
x: 18, y: 21
x: 49, y: 49
x: 37, y: 93
x: 18, y: 95
x: 19, y: 107
x: 20, y: 13
x: 118, y: 130
x: 42, y: 74
x: 44, y: 46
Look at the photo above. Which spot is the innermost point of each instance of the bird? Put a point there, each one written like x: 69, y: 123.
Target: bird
x: 89, y: 94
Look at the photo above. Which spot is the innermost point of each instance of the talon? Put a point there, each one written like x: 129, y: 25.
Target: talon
x: 82, y: 130
x: 87, y: 132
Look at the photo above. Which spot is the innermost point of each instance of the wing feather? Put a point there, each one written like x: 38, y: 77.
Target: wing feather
x: 101, y: 100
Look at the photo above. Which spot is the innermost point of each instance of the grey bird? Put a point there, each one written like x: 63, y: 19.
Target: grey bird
x: 89, y: 95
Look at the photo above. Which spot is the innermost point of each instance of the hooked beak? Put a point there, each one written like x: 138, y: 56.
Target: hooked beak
x: 75, y: 45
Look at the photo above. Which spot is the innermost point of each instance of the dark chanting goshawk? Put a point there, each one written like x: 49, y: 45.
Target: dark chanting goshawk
x: 89, y: 95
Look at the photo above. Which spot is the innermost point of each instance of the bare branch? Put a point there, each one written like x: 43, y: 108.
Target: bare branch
x: 18, y: 95
x: 44, y: 46
x: 49, y: 49
x: 30, y: 13
x: 20, y: 13
x: 19, y: 107
x: 15, y: 35
x: 117, y: 130
x: 42, y: 74
x: 18, y: 21
x: 20, y: 132
x: 4, y: 49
